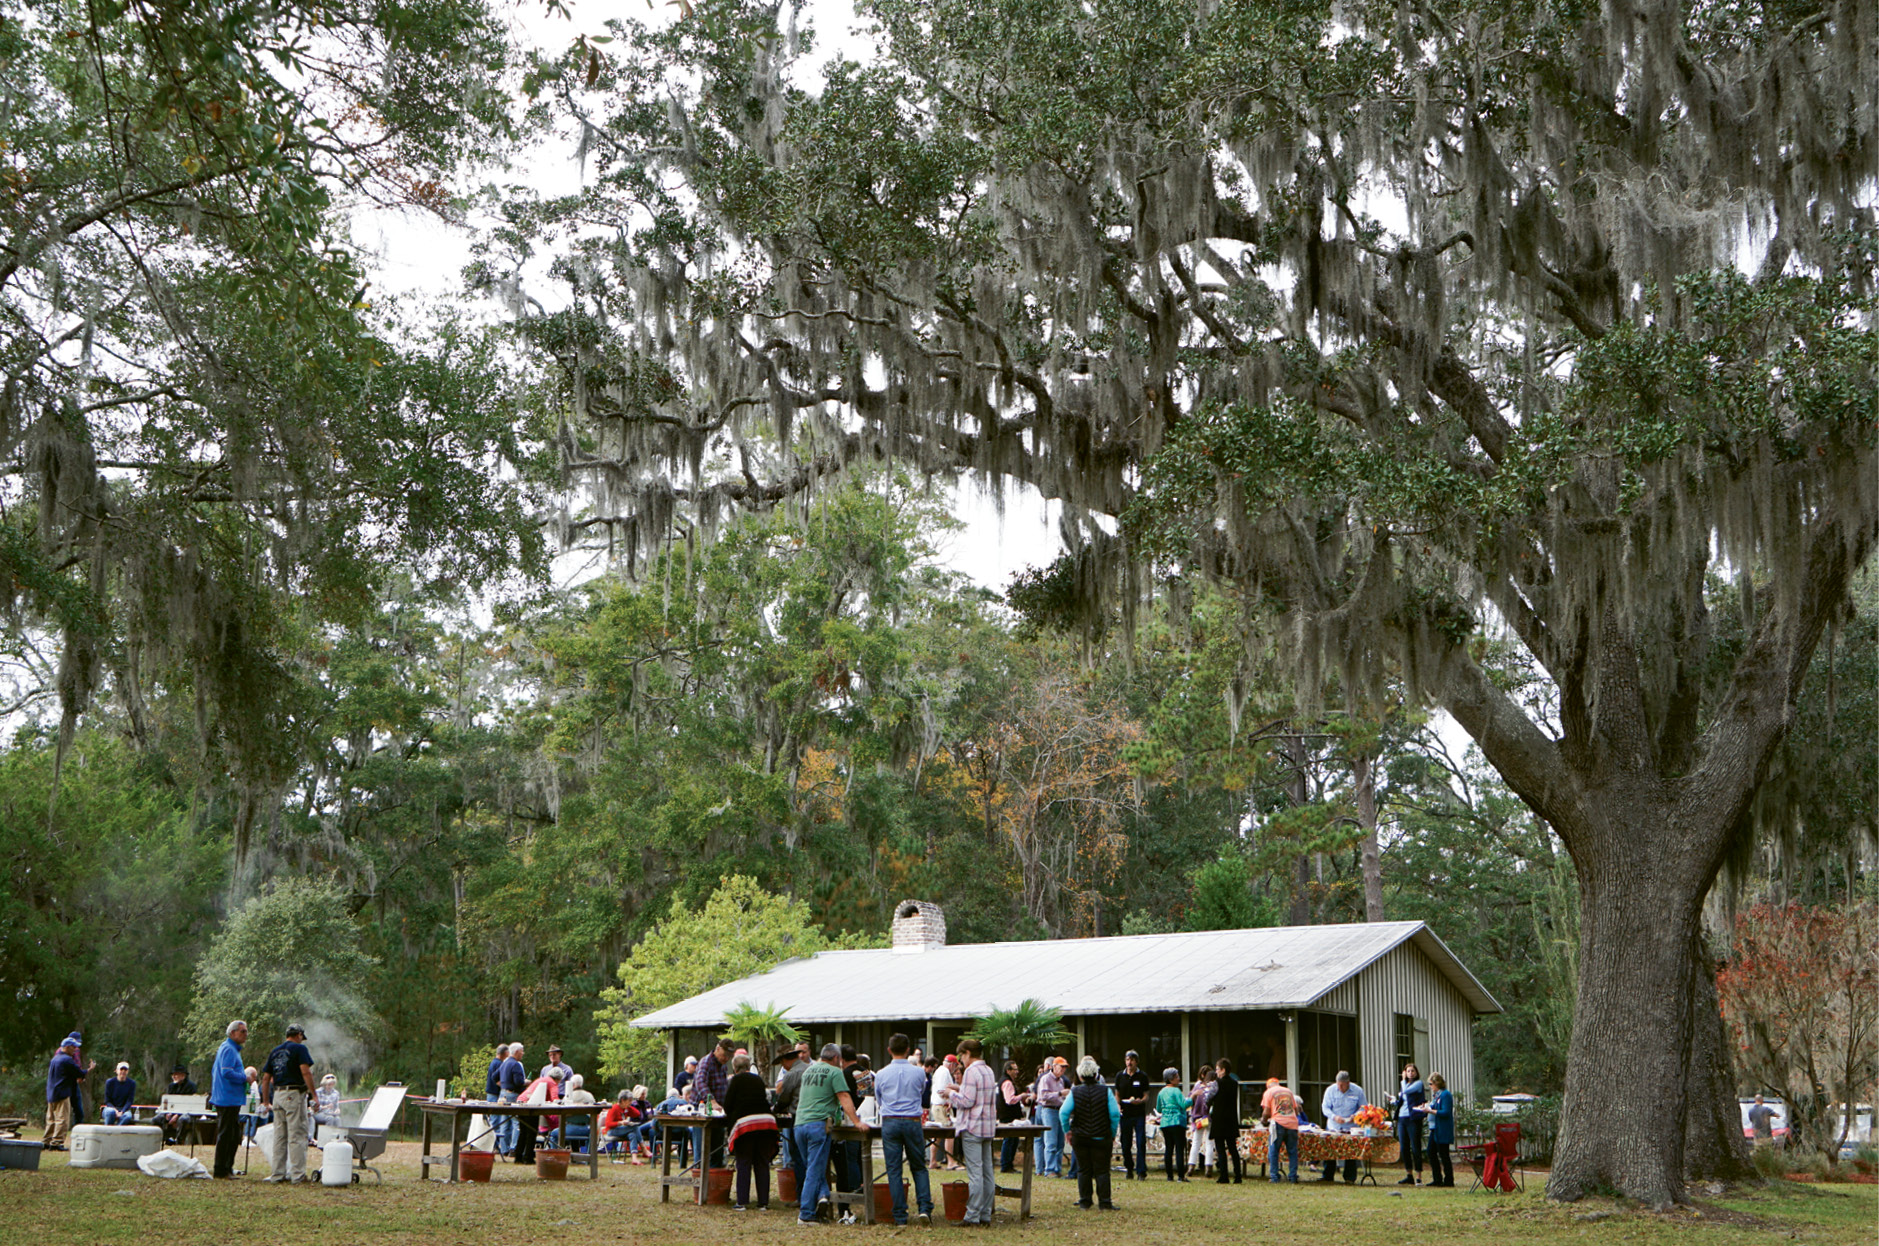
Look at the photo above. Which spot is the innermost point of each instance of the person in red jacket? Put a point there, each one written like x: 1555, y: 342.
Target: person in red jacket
x: 622, y: 1121
x: 544, y: 1089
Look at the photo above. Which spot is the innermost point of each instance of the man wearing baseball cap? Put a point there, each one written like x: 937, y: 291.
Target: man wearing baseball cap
x: 62, y: 1090
x: 286, y: 1081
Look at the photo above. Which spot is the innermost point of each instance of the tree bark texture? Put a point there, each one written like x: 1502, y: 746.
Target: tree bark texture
x: 1713, y: 1145
x: 1301, y: 796
x: 1364, y: 777
x: 1626, y: 1072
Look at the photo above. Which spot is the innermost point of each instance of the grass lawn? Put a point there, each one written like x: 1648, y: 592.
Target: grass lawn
x: 59, y: 1205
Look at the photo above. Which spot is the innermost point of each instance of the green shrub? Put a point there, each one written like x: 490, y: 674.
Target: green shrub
x: 1770, y: 1162
x: 1810, y: 1161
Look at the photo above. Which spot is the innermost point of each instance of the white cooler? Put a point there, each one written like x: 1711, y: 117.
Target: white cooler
x: 113, y: 1146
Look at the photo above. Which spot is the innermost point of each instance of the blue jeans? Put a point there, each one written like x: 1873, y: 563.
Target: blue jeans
x: 1050, y: 1145
x: 507, y: 1127
x: 813, y: 1136
x: 904, y: 1136
x: 1135, y: 1129
x: 113, y: 1116
x: 1409, y: 1134
x: 1287, y: 1138
x: 793, y: 1150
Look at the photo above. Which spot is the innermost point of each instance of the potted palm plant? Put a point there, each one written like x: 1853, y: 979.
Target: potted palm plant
x: 1026, y: 1031
x: 766, y: 1031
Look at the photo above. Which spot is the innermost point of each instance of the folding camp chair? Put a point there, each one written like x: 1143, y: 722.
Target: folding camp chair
x: 1505, y: 1146
x: 368, y: 1136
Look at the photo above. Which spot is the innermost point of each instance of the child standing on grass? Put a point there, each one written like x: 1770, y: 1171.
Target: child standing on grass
x: 1171, y: 1105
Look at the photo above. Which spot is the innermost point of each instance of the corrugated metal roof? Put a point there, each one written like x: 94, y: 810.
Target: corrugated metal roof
x: 1273, y: 967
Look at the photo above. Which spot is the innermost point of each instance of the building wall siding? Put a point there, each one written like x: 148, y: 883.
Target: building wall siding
x: 1404, y: 980
x: 1341, y: 998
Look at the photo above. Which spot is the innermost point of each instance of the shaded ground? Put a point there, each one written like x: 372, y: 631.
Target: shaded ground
x: 59, y: 1205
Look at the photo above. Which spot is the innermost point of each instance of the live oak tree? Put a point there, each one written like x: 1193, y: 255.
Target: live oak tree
x: 209, y: 441
x: 1436, y: 327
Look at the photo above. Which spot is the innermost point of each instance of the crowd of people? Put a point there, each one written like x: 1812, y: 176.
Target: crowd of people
x: 240, y: 1096
x: 1086, y: 1121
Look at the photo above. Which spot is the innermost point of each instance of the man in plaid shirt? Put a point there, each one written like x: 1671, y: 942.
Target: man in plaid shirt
x: 975, y: 1119
x: 708, y: 1087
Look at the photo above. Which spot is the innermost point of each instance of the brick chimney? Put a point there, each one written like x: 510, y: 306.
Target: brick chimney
x: 918, y: 925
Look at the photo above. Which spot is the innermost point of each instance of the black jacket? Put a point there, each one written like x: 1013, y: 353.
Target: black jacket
x: 1089, y: 1112
x: 1224, y: 1111
x: 745, y: 1096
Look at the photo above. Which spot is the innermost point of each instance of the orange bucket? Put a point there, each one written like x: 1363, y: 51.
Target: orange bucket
x: 551, y: 1163
x: 718, y: 1186
x: 786, y: 1184
x: 955, y: 1201
x: 475, y: 1165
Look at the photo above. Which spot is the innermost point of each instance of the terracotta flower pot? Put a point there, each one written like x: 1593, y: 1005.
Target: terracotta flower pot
x: 551, y: 1163
x: 475, y: 1165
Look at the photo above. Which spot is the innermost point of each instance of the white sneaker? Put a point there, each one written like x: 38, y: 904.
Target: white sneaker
x: 848, y: 1217
x: 923, y: 1220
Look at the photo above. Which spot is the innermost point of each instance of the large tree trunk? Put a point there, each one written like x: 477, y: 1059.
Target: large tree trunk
x: 1622, y: 1125
x: 1300, y: 796
x: 1364, y: 778
x: 1713, y: 1145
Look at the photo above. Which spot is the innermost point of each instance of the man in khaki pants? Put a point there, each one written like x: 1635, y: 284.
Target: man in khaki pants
x: 286, y: 1080
x: 63, y: 1080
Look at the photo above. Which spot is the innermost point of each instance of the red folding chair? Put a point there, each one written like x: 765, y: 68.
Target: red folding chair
x: 1505, y: 1150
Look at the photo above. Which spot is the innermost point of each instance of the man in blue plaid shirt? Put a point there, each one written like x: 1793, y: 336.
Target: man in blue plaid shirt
x: 707, y: 1088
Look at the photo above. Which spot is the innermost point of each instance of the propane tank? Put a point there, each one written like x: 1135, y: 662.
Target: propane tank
x: 336, y: 1165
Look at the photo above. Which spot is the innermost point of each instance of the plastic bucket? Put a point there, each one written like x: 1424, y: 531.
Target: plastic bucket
x: 884, y: 1201
x: 718, y: 1186
x: 786, y: 1184
x: 477, y: 1165
x: 551, y: 1163
x: 955, y: 1192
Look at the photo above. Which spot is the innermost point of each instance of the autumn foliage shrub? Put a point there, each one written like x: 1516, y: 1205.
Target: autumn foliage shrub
x: 1800, y: 996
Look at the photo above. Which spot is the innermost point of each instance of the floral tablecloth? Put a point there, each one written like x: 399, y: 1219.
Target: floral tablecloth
x: 1316, y: 1148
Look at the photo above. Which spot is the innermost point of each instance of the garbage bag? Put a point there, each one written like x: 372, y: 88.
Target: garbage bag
x: 170, y: 1164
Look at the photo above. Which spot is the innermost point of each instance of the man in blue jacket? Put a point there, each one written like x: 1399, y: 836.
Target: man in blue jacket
x: 228, y: 1092
x: 63, y: 1079
x: 511, y: 1080
x: 492, y: 1081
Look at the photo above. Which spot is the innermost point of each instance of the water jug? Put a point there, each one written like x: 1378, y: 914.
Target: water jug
x: 336, y: 1166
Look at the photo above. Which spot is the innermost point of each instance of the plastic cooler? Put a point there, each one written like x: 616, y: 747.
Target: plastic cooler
x: 113, y: 1146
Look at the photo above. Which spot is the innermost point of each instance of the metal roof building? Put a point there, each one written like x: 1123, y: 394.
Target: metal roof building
x: 1299, y: 1002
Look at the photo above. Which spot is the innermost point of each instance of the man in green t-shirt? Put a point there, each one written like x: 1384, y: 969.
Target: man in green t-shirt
x: 822, y: 1100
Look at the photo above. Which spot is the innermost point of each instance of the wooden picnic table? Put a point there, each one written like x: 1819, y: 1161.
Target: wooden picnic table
x: 460, y: 1113
x: 1027, y: 1131
x: 695, y: 1177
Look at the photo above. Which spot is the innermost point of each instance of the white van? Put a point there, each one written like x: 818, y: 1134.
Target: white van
x: 1861, y: 1132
